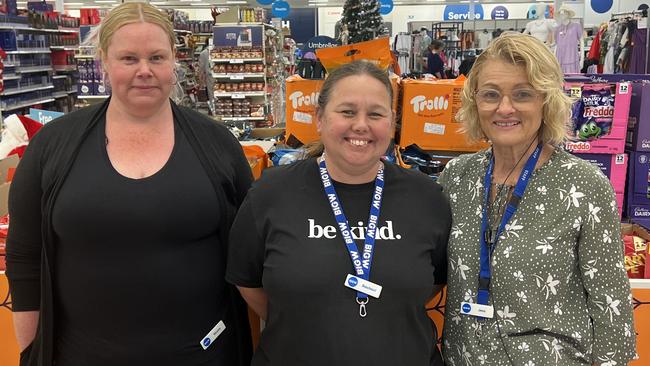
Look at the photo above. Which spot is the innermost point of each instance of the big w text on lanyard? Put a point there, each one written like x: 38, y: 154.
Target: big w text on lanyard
x: 489, y: 240
x: 363, y: 263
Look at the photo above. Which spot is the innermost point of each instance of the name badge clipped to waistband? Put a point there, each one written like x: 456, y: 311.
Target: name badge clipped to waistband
x: 483, y: 311
x: 213, y: 334
x: 361, y: 285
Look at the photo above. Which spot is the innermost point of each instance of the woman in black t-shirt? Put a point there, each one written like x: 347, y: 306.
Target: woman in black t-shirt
x: 341, y: 252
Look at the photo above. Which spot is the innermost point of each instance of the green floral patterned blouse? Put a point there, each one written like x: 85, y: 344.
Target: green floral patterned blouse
x: 559, y: 288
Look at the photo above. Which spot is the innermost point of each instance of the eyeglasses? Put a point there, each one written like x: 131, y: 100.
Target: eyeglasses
x: 491, y: 99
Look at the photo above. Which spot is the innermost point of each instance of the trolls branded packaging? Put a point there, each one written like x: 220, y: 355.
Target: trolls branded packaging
x: 638, y: 128
x: 599, y: 117
x: 302, y: 99
x: 614, y: 167
x: 428, y: 111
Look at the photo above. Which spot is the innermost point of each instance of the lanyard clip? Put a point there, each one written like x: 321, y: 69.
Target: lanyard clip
x: 362, y: 306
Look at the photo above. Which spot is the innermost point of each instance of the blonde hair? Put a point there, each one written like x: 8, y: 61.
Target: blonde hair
x: 544, y: 74
x: 129, y: 13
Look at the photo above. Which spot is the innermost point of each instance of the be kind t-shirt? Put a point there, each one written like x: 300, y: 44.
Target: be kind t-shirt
x: 286, y: 240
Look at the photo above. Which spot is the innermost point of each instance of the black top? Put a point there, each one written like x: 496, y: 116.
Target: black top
x: 33, y: 257
x: 435, y: 64
x: 285, y: 240
x: 160, y: 283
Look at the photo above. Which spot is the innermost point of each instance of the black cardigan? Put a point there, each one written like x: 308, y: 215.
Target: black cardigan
x: 55, y: 146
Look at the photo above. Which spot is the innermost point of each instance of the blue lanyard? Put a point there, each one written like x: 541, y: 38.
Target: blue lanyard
x: 489, y: 241
x: 361, y: 263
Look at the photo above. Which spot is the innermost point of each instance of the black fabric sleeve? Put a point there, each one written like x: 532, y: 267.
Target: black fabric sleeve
x: 24, y: 242
x: 243, y: 174
x: 245, y: 249
x: 439, y: 253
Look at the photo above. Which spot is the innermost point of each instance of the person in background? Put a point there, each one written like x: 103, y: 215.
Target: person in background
x: 467, y: 63
x: 205, y: 74
x: 435, y: 65
x: 536, y: 272
x: 119, y: 220
x: 297, y: 243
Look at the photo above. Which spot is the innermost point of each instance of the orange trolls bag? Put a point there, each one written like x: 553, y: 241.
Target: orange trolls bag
x: 376, y: 51
x: 429, y: 108
x: 302, y: 99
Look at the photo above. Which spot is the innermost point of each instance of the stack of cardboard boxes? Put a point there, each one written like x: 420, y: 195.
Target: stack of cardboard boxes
x: 638, y: 146
x: 608, y: 152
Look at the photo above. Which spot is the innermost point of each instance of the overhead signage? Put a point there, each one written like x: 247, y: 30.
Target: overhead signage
x: 499, y: 12
x: 602, y: 6
x: 385, y: 7
x: 318, y: 42
x: 461, y: 12
x: 280, y: 9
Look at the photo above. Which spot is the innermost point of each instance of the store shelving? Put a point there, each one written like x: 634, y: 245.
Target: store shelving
x: 32, y: 69
x: 25, y: 90
x: 237, y: 60
x: 237, y: 76
x: 28, y: 51
x: 245, y: 70
x: 28, y: 104
x: 242, y: 119
x: 239, y: 95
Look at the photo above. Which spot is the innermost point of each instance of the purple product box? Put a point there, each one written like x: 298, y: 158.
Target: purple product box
x: 614, y: 166
x: 12, y: 7
x: 638, y: 127
x: 638, y: 188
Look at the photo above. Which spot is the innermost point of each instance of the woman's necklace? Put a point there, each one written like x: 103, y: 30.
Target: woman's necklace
x: 499, y: 201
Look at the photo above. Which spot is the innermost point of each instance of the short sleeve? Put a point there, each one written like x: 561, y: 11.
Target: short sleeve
x: 439, y: 253
x: 245, y: 249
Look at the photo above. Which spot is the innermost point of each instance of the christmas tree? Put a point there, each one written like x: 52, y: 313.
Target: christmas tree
x: 363, y: 20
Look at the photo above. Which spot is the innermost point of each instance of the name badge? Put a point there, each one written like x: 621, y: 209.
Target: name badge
x: 213, y: 334
x: 484, y: 311
x: 361, y: 285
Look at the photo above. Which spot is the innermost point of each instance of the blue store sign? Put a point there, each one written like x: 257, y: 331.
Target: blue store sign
x: 385, y: 7
x: 602, y: 6
x: 265, y: 2
x: 280, y: 9
x: 500, y: 12
x: 461, y: 12
x: 43, y: 116
x: 318, y: 42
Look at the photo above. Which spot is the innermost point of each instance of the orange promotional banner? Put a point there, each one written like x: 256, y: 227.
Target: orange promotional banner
x: 302, y: 100
x: 376, y: 51
x: 429, y: 108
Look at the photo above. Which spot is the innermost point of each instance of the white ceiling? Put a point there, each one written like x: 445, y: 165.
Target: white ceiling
x: 197, y: 4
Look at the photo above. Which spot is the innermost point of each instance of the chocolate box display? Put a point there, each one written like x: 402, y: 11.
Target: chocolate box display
x: 614, y: 166
x: 638, y: 133
x: 596, y: 106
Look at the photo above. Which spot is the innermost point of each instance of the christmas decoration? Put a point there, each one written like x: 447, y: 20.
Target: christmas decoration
x: 17, y: 132
x: 363, y: 21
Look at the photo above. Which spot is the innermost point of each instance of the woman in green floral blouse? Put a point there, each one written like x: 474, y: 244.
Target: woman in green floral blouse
x: 536, y: 272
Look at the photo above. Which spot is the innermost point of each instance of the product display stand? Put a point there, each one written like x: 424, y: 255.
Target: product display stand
x: 245, y: 72
x: 91, y: 86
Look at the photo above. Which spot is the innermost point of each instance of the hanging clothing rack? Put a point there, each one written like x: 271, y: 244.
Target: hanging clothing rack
x: 617, y: 16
